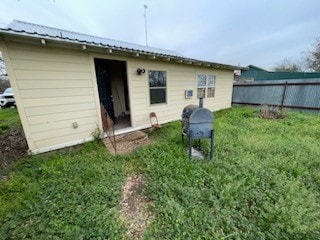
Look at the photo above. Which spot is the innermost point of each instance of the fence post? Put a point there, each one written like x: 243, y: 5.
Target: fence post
x: 283, y: 94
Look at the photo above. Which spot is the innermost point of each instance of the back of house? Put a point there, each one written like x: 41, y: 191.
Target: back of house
x: 61, y: 78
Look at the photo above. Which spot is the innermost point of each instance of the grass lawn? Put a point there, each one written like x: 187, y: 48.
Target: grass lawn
x: 264, y: 183
x: 13, y: 144
x: 9, y: 119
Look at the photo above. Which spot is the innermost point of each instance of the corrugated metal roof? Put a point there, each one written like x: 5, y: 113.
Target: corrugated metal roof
x: 20, y: 26
x: 23, y: 29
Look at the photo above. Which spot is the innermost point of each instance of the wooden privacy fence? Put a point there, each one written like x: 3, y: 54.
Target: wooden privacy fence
x: 289, y: 94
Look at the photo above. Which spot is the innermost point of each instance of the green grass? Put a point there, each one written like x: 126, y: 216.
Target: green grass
x: 67, y: 195
x: 9, y: 120
x: 264, y: 183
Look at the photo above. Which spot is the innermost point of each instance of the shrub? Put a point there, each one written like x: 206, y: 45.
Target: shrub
x: 271, y: 112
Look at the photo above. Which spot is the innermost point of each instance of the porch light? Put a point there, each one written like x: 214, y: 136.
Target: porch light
x: 140, y: 70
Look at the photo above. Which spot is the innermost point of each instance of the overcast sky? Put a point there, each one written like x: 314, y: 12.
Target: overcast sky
x: 258, y: 32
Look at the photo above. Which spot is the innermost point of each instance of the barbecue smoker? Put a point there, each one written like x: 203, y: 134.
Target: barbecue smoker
x: 197, y: 123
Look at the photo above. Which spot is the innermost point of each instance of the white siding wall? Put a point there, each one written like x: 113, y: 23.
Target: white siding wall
x: 56, y: 89
x: 179, y: 78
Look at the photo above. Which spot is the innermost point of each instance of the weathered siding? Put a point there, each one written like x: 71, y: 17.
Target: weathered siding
x: 296, y: 93
x: 56, y: 89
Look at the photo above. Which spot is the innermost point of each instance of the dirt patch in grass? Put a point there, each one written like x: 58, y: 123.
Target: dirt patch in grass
x: 135, y: 207
x: 13, y: 146
x: 126, y: 143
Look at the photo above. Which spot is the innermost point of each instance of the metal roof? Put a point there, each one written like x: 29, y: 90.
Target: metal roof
x: 259, y: 74
x: 24, y: 29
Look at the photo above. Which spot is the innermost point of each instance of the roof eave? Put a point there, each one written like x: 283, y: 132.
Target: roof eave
x: 135, y: 52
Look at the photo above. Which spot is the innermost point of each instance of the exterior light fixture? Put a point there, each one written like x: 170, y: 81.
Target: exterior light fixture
x: 140, y: 70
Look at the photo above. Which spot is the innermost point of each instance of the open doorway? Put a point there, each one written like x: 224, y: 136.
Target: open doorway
x: 113, y: 90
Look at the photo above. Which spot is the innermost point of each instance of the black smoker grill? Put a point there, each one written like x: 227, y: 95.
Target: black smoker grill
x: 197, y: 123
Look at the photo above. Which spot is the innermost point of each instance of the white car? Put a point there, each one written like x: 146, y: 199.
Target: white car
x: 7, y: 98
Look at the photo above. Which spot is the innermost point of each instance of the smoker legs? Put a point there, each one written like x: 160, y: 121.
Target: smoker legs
x: 190, y: 147
x: 212, y: 145
x: 191, y: 144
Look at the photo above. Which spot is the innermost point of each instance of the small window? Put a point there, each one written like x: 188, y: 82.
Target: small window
x: 206, y: 86
x: 158, y: 86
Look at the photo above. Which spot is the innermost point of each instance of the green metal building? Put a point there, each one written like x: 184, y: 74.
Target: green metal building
x: 253, y: 73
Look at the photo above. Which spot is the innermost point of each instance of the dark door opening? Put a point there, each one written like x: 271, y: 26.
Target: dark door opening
x: 113, y: 90
x: 104, y: 85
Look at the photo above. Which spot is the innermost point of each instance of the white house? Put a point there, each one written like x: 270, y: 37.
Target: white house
x: 60, y: 77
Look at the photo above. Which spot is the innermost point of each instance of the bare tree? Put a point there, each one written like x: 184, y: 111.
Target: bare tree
x: 3, y: 72
x: 4, y: 80
x: 313, y: 57
x: 288, y: 65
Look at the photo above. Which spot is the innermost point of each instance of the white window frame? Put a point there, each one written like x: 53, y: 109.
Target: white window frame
x: 206, y: 82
